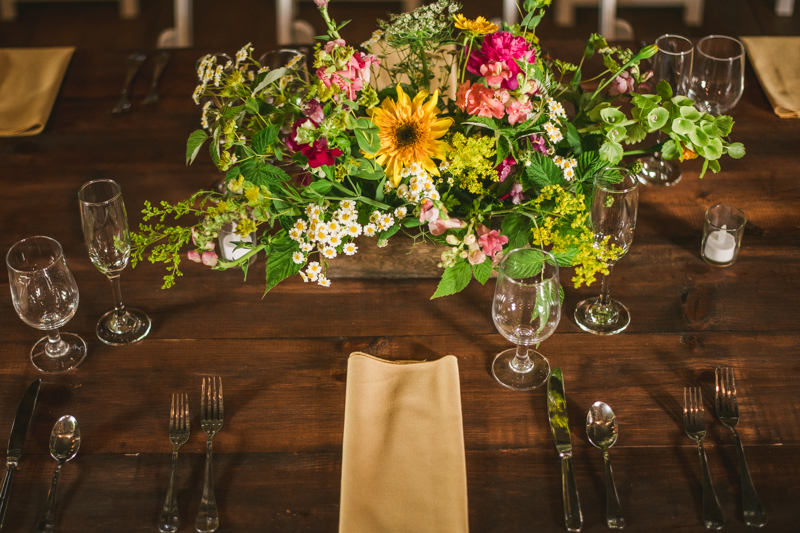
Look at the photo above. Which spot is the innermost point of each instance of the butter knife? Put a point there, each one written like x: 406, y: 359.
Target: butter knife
x: 557, y: 411
x: 19, y: 430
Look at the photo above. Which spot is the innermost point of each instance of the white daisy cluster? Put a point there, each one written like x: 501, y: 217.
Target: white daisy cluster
x: 294, y: 61
x: 204, y: 118
x: 420, y: 185
x: 244, y: 53
x: 555, y: 110
x: 567, y: 165
x: 377, y: 35
x: 208, y: 71
x: 553, y: 132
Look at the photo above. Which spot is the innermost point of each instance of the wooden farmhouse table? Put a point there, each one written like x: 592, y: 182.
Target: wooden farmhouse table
x: 283, y: 357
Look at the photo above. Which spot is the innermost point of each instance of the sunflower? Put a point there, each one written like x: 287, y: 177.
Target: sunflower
x: 408, y: 132
x: 479, y: 26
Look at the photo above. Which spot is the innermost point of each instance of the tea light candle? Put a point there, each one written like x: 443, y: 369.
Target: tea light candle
x: 229, y: 247
x: 720, y: 246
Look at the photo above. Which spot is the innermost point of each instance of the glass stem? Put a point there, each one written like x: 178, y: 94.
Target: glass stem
x: 118, y: 305
x: 521, y: 362
x: 657, y: 154
x: 55, y: 346
x: 605, y: 287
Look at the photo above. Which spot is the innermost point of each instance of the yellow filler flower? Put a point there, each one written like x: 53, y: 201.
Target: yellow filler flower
x: 408, y: 132
x: 479, y: 26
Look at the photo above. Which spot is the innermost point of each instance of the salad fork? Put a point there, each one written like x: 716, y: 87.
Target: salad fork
x: 694, y: 424
x: 135, y: 61
x: 178, y: 435
x: 211, y: 418
x: 728, y: 413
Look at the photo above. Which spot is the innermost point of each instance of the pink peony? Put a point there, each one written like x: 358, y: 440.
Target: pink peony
x: 518, y: 112
x: 505, y: 168
x: 210, y: 259
x: 491, y: 241
x: 319, y: 154
x: 501, y: 47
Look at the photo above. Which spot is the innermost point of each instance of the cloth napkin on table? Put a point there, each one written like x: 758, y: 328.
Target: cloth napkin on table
x: 29, y: 82
x: 776, y: 61
x: 403, y: 462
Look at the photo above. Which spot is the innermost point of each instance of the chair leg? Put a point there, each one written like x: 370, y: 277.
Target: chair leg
x: 693, y: 13
x: 128, y: 9
x: 8, y: 10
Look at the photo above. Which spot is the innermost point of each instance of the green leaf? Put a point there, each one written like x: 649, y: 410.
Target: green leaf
x: 703, y: 170
x: 713, y: 150
x: 617, y: 134
x: 723, y: 125
x: 259, y: 173
x: 368, y: 140
x: 271, y: 77
x: 252, y: 106
x: 670, y: 150
x: 455, y: 279
x: 542, y: 172
x: 690, y: 113
x: 682, y: 126
x: 525, y: 263
x: 612, y: 115
x: 594, y: 114
x: 193, y: 144
x: 231, y: 112
x: 483, y: 271
x: 574, y: 139
x: 714, y: 166
x: 265, y: 138
x: 736, y: 150
x: 588, y: 165
x: 484, y: 122
x: 664, y: 90
x: 518, y: 230
x: 656, y: 118
x: 565, y: 259
x: 232, y: 174
x: 698, y: 137
x: 321, y: 186
x: 280, y: 265
x: 635, y: 133
x: 611, y: 152
x: 411, y: 222
x: 682, y: 101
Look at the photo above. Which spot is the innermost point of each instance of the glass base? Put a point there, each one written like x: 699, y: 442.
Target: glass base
x: 131, y: 327
x: 593, y: 317
x: 72, y: 354
x: 534, y: 375
x: 657, y: 171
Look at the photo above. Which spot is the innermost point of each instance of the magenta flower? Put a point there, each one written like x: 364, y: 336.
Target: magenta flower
x: 313, y: 110
x: 505, y: 168
x: 321, y: 3
x: 538, y: 143
x: 319, y: 154
x: 501, y: 47
x: 353, y: 77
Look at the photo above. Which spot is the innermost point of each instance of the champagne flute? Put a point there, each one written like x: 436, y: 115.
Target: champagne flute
x: 45, y: 297
x: 673, y: 64
x: 526, y: 310
x: 717, y: 81
x: 105, y: 231
x: 614, y: 217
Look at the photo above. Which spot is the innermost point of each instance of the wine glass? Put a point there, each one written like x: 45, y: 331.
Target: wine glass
x: 717, y: 79
x: 45, y: 296
x: 526, y: 310
x: 673, y: 64
x: 614, y: 216
x: 105, y: 231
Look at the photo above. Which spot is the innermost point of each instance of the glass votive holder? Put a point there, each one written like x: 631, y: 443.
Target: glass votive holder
x: 722, y: 235
x: 229, y: 249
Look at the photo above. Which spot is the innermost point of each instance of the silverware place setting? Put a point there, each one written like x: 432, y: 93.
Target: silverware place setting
x: 135, y: 62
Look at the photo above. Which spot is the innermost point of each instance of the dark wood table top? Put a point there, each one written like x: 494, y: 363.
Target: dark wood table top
x: 283, y: 358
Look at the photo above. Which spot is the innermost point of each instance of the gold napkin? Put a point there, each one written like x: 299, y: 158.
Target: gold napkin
x: 29, y: 83
x: 403, y: 463
x: 776, y: 61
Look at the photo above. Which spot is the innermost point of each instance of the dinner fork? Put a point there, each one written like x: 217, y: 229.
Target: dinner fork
x: 161, y: 63
x: 178, y: 435
x: 135, y: 61
x: 211, y: 417
x: 728, y: 413
x: 695, y: 425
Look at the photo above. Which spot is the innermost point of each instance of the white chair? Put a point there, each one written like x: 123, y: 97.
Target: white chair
x: 182, y: 34
x: 784, y: 8
x: 128, y: 9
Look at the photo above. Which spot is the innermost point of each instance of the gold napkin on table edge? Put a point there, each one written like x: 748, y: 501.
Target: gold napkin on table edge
x: 30, y: 79
x: 403, y: 459
x: 776, y: 61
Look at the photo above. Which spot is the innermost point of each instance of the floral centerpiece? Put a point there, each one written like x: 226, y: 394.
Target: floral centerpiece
x: 439, y: 127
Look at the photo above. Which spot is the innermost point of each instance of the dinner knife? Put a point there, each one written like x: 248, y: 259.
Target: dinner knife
x: 557, y: 411
x: 19, y: 430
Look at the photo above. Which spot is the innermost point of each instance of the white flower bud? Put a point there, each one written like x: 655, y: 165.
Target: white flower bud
x: 452, y: 240
x: 469, y: 239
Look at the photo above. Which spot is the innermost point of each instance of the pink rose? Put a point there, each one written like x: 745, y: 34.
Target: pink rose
x: 491, y: 241
x: 502, y: 47
x: 210, y: 259
x: 194, y: 255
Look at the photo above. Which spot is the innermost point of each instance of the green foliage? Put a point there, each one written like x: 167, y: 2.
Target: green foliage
x: 455, y: 279
x: 279, y: 263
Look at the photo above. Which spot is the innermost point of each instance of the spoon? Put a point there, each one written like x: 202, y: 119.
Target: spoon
x: 601, y: 428
x: 64, y: 443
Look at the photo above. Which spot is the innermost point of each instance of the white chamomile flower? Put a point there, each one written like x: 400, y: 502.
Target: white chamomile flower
x: 300, y: 224
x: 382, y: 243
x: 450, y: 181
x: 334, y: 240
x: 262, y: 70
x: 415, y: 167
x: 558, y: 160
x: 569, y: 174
x: 325, y: 282
x: 295, y: 234
x: 556, y: 108
x: 329, y: 252
x: 313, y: 270
x: 313, y: 211
x: 347, y: 205
x: 405, y: 173
x: 402, y: 190
x: 387, y: 220
x: 295, y: 60
x: 333, y: 227
x: 401, y: 212
x: 320, y: 235
x: 198, y: 92
x: 345, y: 216
x: 434, y: 195
x: 242, y: 54
x: 553, y: 132
x: 370, y: 230
x: 353, y: 230
x: 444, y: 166
x: 217, y: 75
x: 306, y: 246
x: 298, y: 258
x: 303, y: 275
x: 350, y: 249
x: 375, y: 216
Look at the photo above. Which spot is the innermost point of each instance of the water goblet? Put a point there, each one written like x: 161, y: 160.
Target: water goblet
x: 614, y: 208
x: 717, y: 81
x: 45, y: 297
x: 526, y: 310
x: 105, y: 231
x: 673, y: 64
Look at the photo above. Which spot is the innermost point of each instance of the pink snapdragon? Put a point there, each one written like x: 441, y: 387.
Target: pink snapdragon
x: 210, y: 259
x: 194, y: 255
x: 505, y: 168
x: 482, y: 101
x: 491, y: 241
x: 518, y: 111
x: 353, y: 76
x: 437, y: 226
x: 321, y: 3
x: 313, y: 109
x: 501, y: 48
x: 622, y: 84
x: 495, y: 72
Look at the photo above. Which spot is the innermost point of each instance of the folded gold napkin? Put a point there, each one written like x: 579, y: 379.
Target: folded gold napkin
x: 776, y: 61
x: 29, y: 83
x: 403, y: 463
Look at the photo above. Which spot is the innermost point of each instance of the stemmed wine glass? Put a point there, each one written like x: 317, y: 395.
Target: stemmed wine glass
x: 526, y: 310
x: 614, y: 216
x: 717, y: 81
x: 45, y: 296
x: 673, y: 64
x: 105, y: 231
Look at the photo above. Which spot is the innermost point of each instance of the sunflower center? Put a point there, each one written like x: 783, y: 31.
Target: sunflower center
x: 406, y: 134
